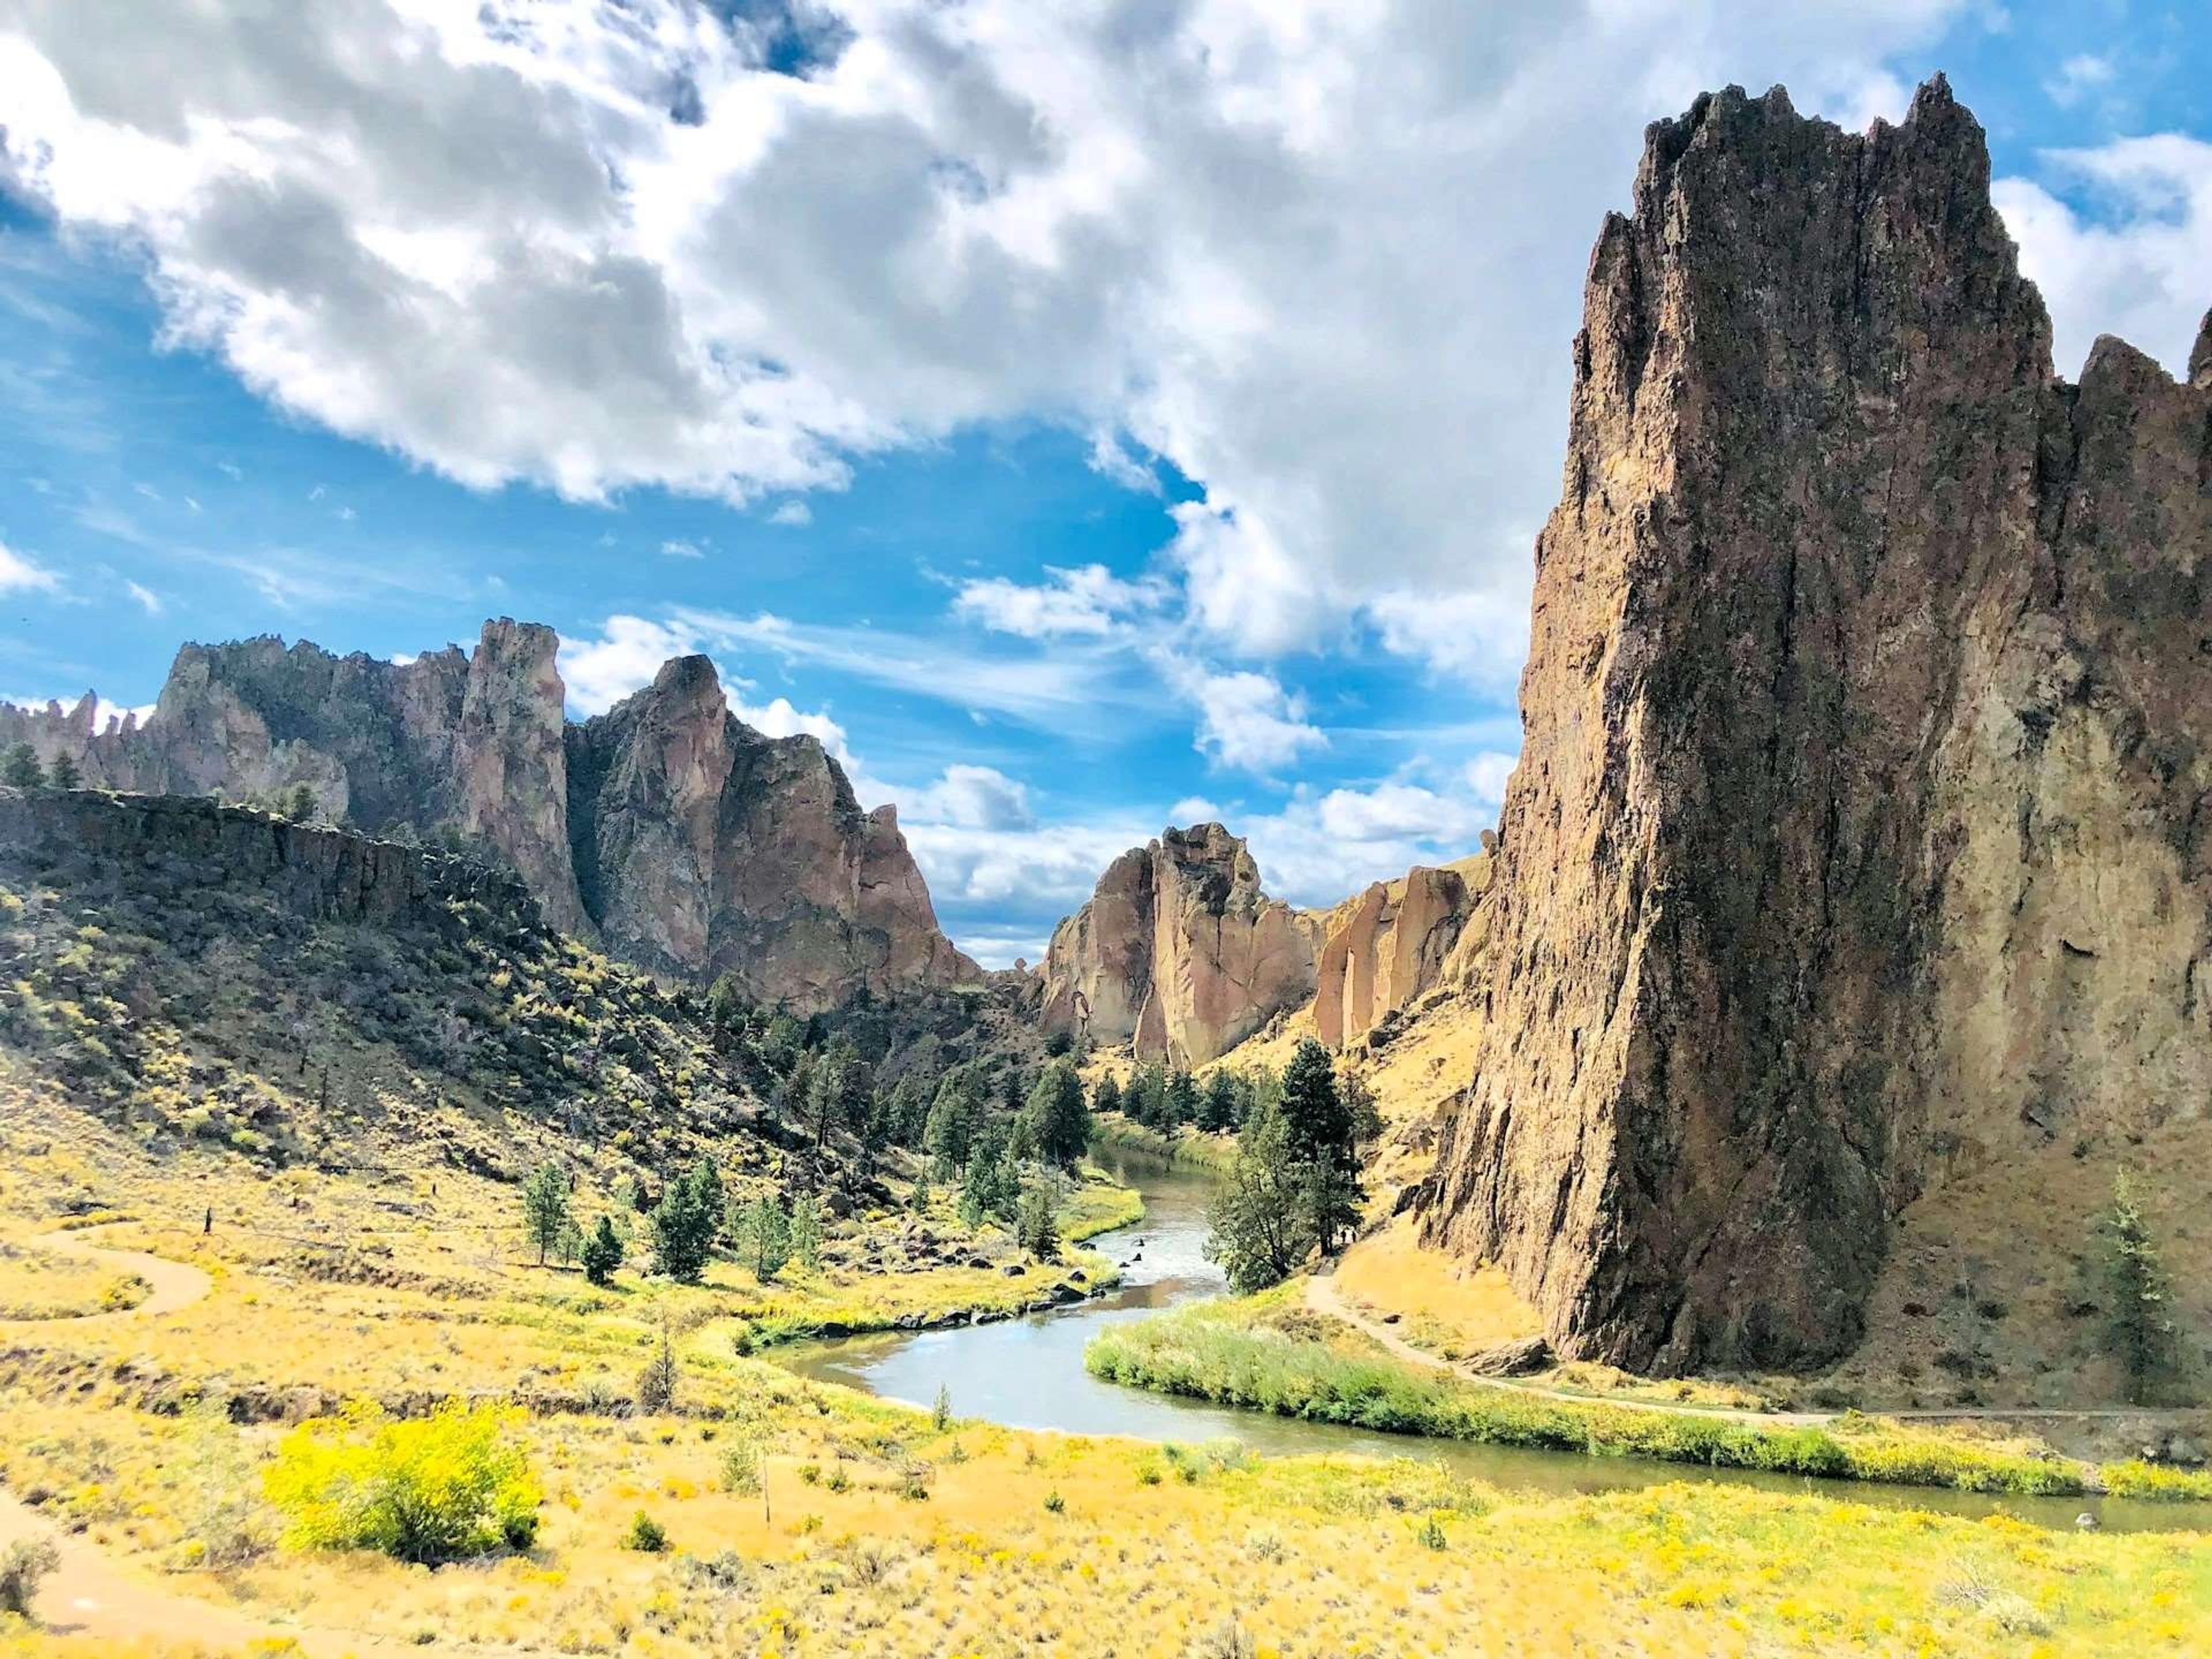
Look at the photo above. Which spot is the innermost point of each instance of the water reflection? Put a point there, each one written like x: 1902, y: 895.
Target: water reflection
x: 1028, y: 1373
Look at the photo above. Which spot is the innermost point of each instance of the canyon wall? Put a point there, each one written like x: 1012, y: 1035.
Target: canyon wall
x: 667, y: 827
x: 1179, y: 952
x: 1860, y: 832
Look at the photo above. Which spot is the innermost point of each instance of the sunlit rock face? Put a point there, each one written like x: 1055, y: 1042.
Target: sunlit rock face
x: 1179, y: 951
x: 1860, y: 833
x: 667, y: 827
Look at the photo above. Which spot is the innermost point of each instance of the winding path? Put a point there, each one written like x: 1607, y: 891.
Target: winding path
x: 175, y: 1284
x: 89, y: 1594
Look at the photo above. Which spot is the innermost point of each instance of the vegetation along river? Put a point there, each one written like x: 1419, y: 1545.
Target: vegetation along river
x: 1028, y: 1373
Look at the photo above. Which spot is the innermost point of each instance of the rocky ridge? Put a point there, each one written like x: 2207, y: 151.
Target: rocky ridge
x: 667, y: 827
x: 1859, y: 837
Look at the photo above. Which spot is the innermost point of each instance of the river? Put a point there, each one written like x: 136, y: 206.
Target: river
x: 1028, y: 1373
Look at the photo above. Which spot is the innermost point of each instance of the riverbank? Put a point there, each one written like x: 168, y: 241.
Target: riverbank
x: 1215, y: 1154
x: 1269, y: 1354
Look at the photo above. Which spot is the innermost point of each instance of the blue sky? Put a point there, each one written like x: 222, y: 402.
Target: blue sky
x: 1167, y: 441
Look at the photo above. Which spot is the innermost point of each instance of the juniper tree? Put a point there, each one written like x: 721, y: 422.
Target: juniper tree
x: 1057, y: 1117
x: 63, y: 773
x: 602, y: 1253
x: 545, y: 1207
x: 21, y: 770
x: 2143, y: 1330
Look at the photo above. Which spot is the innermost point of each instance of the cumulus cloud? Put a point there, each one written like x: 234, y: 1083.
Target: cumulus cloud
x: 18, y: 575
x: 1324, y: 846
x: 1246, y: 720
x: 1090, y: 600
x: 2140, y: 266
x: 970, y: 798
x: 630, y: 651
x: 1325, y: 260
x: 792, y: 514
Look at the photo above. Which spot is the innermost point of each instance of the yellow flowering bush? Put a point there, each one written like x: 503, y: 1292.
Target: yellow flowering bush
x: 445, y: 1487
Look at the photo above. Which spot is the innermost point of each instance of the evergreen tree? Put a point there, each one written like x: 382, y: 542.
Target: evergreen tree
x: 988, y: 1189
x: 683, y: 1224
x: 1012, y: 1095
x: 1181, y: 1104
x: 602, y: 1253
x: 1261, y: 1229
x: 545, y: 1207
x: 806, y: 1231
x: 300, y: 804
x: 1036, y: 1227
x: 1107, y: 1096
x: 1220, y: 1107
x: 762, y: 1231
x: 1057, y: 1117
x: 1318, y: 1127
x: 948, y: 1137
x: 21, y: 770
x: 63, y: 774
x: 2143, y: 1330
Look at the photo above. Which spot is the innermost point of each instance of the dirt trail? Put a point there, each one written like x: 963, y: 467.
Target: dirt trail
x: 176, y: 1284
x: 1323, y: 1297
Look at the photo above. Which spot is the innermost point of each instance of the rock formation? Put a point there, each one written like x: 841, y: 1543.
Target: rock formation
x: 313, y: 871
x: 669, y: 829
x: 704, y: 847
x: 1178, y: 951
x: 1387, y: 947
x: 1862, y: 830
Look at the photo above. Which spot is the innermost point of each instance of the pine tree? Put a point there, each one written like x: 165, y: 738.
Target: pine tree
x: 602, y: 1253
x: 300, y: 804
x: 1220, y: 1107
x: 948, y: 1137
x: 762, y: 1235
x: 806, y: 1231
x: 1107, y: 1096
x: 63, y: 774
x: 683, y: 1224
x: 545, y: 1207
x: 2143, y: 1330
x: 1180, y: 1105
x: 20, y: 769
x: 1036, y: 1227
x: 1318, y: 1128
x: 1056, y: 1116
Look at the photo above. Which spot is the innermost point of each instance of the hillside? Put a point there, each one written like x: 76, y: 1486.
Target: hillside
x: 666, y: 830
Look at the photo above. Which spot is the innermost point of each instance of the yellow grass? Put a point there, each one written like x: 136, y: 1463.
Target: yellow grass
x: 907, y: 1541
x: 1448, y: 1308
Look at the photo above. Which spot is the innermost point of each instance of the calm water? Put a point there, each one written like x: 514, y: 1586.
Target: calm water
x: 1028, y: 1373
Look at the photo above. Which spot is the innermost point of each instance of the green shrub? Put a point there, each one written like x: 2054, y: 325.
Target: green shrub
x: 1228, y: 1354
x: 446, y: 1487
x: 646, y: 1535
x: 2157, y: 1483
x: 22, y: 1565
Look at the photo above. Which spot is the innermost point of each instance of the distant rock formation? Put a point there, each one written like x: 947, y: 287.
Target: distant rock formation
x: 1863, y: 824
x: 1384, y: 949
x: 1178, y: 952
x: 667, y: 827
x: 313, y: 871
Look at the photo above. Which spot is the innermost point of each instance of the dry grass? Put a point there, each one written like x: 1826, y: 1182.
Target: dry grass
x: 1307, y: 1557
x: 1445, y: 1306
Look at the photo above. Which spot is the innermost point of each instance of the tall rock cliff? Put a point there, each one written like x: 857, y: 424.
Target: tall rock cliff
x: 1178, y: 951
x: 1385, y: 948
x: 687, y: 840
x: 1862, y: 830
x: 704, y: 847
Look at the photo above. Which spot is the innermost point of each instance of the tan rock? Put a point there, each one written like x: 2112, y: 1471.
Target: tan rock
x: 1857, y: 834
x: 1179, y: 952
x: 1390, y: 945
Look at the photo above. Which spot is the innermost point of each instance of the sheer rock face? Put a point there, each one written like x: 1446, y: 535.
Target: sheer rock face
x: 1862, y: 829
x: 709, y: 848
x: 1179, y: 951
x: 687, y: 840
x: 1384, y: 949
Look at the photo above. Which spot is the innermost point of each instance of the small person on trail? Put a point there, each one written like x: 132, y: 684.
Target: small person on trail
x: 207, y: 1222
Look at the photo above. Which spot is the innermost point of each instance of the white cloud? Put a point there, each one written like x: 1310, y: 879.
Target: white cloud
x: 1090, y: 600
x: 1325, y: 260
x: 969, y: 797
x: 104, y: 711
x: 1056, y: 865
x: 1246, y: 720
x: 794, y: 513
x: 1324, y: 846
x: 1477, y: 636
x: 999, y: 948
x: 1485, y: 774
x: 19, y: 574
x: 676, y: 548
x: 779, y: 718
x: 599, y: 673
x: 2077, y: 77
x: 147, y: 599
x: 1193, y: 809
x: 2141, y: 267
